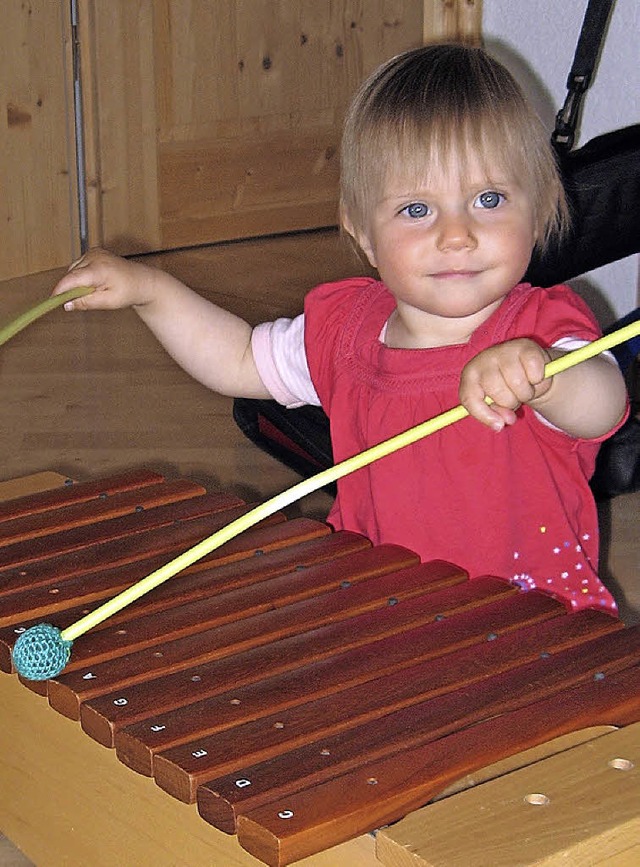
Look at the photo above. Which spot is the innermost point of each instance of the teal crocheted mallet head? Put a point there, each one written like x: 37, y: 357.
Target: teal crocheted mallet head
x: 41, y: 652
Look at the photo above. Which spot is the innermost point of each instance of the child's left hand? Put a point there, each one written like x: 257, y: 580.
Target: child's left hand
x: 511, y: 374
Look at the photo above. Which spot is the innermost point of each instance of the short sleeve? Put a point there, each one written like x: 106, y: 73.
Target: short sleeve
x: 281, y: 360
x: 553, y: 314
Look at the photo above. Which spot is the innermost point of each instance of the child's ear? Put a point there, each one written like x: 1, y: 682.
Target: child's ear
x: 360, y: 238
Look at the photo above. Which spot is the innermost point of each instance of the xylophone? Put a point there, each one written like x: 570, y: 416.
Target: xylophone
x: 296, y: 688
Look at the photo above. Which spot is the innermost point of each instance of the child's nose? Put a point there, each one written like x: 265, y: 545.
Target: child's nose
x: 455, y: 232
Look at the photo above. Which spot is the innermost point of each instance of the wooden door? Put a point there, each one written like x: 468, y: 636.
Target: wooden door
x: 203, y: 119
x: 38, y: 194
x: 207, y: 120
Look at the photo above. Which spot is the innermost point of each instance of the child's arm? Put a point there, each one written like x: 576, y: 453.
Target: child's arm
x: 587, y: 400
x: 211, y: 344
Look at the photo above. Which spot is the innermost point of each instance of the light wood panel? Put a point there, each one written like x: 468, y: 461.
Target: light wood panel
x: 38, y: 194
x: 579, y: 806
x: 215, y: 120
x: 68, y: 800
x: 204, y: 120
x: 460, y: 20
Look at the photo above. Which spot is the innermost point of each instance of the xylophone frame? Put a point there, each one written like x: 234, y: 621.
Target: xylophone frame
x: 62, y: 795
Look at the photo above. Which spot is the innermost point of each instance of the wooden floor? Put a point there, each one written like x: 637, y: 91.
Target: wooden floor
x: 86, y: 395
x: 89, y: 394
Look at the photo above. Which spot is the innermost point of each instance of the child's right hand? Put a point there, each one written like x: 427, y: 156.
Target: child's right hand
x: 116, y: 282
x: 511, y: 374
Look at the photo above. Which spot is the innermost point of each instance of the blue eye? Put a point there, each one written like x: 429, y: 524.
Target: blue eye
x: 489, y: 200
x: 416, y: 210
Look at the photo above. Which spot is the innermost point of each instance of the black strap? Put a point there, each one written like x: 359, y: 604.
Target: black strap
x: 588, y: 48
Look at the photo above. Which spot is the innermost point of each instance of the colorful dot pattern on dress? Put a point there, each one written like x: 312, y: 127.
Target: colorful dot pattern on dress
x: 568, y: 583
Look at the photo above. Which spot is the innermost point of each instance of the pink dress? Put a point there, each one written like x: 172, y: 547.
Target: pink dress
x: 514, y: 504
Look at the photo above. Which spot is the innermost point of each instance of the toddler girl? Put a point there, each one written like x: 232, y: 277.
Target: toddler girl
x: 448, y: 183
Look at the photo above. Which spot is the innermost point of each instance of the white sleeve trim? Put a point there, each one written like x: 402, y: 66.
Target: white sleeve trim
x: 567, y: 344
x: 280, y: 357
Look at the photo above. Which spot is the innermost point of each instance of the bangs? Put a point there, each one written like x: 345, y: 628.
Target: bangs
x: 419, y: 151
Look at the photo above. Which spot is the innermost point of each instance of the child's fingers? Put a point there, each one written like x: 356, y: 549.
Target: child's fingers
x: 515, y: 388
x: 73, y: 280
x: 75, y: 277
x: 493, y: 389
x: 509, y: 375
x: 99, y: 271
x: 82, y: 303
x: 493, y: 414
x: 533, y: 360
x: 507, y: 416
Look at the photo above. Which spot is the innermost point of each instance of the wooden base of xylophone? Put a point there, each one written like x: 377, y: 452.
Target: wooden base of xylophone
x: 301, y: 687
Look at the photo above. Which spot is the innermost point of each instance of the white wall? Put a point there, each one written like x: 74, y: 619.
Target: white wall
x: 536, y: 40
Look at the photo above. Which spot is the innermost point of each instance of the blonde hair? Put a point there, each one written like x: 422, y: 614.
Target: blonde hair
x: 422, y: 106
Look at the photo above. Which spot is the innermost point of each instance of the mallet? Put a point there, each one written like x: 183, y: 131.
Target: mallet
x: 42, y: 651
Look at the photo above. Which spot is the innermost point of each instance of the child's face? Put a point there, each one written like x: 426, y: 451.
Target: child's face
x: 452, y: 248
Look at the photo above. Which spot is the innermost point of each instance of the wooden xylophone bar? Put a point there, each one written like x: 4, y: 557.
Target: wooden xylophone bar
x: 300, y: 686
